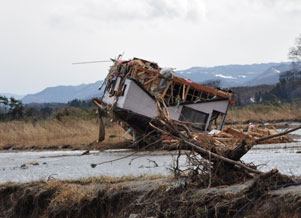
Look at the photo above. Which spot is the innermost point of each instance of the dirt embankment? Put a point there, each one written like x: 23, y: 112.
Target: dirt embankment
x: 160, y: 197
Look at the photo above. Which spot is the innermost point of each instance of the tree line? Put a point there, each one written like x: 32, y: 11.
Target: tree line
x: 11, y: 108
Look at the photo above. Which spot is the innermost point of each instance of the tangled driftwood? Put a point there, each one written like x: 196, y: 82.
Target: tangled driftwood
x: 222, y: 158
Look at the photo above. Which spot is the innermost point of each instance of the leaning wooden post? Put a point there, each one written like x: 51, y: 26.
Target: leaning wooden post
x: 101, y: 130
x: 101, y: 133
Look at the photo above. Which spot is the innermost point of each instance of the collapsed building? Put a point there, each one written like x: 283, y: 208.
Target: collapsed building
x: 130, y: 93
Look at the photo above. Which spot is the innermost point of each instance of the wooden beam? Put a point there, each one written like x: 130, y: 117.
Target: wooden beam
x: 218, y: 93
x: 186, y: 93
x: 165, y: 90
x: 149, y: 81
x: 140, y: 73
x: 134, y: 71
x: 213, y: 91
x: 171, y: 93
x: 277, y: 135
x: 237, y: 133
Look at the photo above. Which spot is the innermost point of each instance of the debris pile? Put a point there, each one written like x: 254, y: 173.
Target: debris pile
x: 214, y: 158
x: 231, y: 137
x: 254, y: 132
x: 165, y: 111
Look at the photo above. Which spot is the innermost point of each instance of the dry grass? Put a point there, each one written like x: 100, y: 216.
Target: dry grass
x: 53, y: 133
x: 81, y: 132
x: 110, y: 180
x: 264, y: 113
x: 72, y: 194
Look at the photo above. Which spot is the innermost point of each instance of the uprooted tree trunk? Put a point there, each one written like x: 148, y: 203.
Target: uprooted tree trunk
x: 222, y: 160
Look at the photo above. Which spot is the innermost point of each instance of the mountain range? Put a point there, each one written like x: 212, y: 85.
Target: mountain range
x: 229, y: 76
x: 63, y: 94
x: 237, y: 75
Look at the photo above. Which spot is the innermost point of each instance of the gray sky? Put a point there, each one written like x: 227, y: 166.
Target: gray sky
x: 39, y: 39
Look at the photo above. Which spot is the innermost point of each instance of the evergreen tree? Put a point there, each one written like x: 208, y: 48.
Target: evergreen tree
x: 16, y: 109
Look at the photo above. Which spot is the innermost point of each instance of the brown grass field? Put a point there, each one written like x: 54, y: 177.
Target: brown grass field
x: 82, y: 132
x: 53, y: 134
x: 265, y: 113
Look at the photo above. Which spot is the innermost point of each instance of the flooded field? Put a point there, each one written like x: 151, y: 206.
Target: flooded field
x: 72, y: 165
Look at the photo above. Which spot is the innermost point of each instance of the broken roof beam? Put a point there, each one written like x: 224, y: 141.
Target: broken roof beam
x: 212, y: 91
x: 200, y: 87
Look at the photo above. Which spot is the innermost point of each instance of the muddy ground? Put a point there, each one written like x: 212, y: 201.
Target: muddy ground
x: 159, y: 197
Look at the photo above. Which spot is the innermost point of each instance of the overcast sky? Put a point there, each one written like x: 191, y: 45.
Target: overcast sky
x: 39, y: 39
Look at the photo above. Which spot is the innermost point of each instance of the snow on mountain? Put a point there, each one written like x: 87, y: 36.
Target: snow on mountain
x: 232, y: 75
x: 224, y: 76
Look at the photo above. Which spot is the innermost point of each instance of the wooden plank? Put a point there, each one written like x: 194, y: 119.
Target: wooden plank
x: 200, y: 87
x: 140, y: 73
x: 225, y: 139
x: 213, y: 91
x: 255, y: 134
x: 186, y: 93
x: 153, y: 72
x: 134, y: 72
x: 183, y: 92
x: 193, y: 96
x: 170, y: 141
x: 237, y: 133
x: 165, y: 90
x: 149, y: 81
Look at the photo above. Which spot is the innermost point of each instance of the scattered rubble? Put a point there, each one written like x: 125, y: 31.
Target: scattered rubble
x: 231, y: 137
x: 32, y: 163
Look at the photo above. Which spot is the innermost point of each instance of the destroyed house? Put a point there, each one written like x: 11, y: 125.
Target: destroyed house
x: 132, y: 87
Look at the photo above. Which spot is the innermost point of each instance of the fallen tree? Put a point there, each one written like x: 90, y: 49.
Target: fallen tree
x: 218, y: 163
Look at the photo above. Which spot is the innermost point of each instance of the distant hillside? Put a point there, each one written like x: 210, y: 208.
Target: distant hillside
x: 270, y: 76
x: 233, y: 75
x: 63, y: 94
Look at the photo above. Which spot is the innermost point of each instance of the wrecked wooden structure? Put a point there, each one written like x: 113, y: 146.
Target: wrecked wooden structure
x: 178, y: 114
x: 130, y: 93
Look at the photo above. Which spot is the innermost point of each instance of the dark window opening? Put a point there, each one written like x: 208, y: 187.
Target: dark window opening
x: 214, y: 119
x: 194, y: 116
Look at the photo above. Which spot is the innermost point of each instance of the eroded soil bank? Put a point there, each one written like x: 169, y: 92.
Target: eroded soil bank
x: 150, y: 197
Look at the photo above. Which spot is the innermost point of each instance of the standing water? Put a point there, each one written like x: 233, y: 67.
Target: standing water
x: 73, y: 165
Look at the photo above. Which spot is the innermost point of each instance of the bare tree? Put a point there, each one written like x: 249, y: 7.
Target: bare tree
x: 295, y: 53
